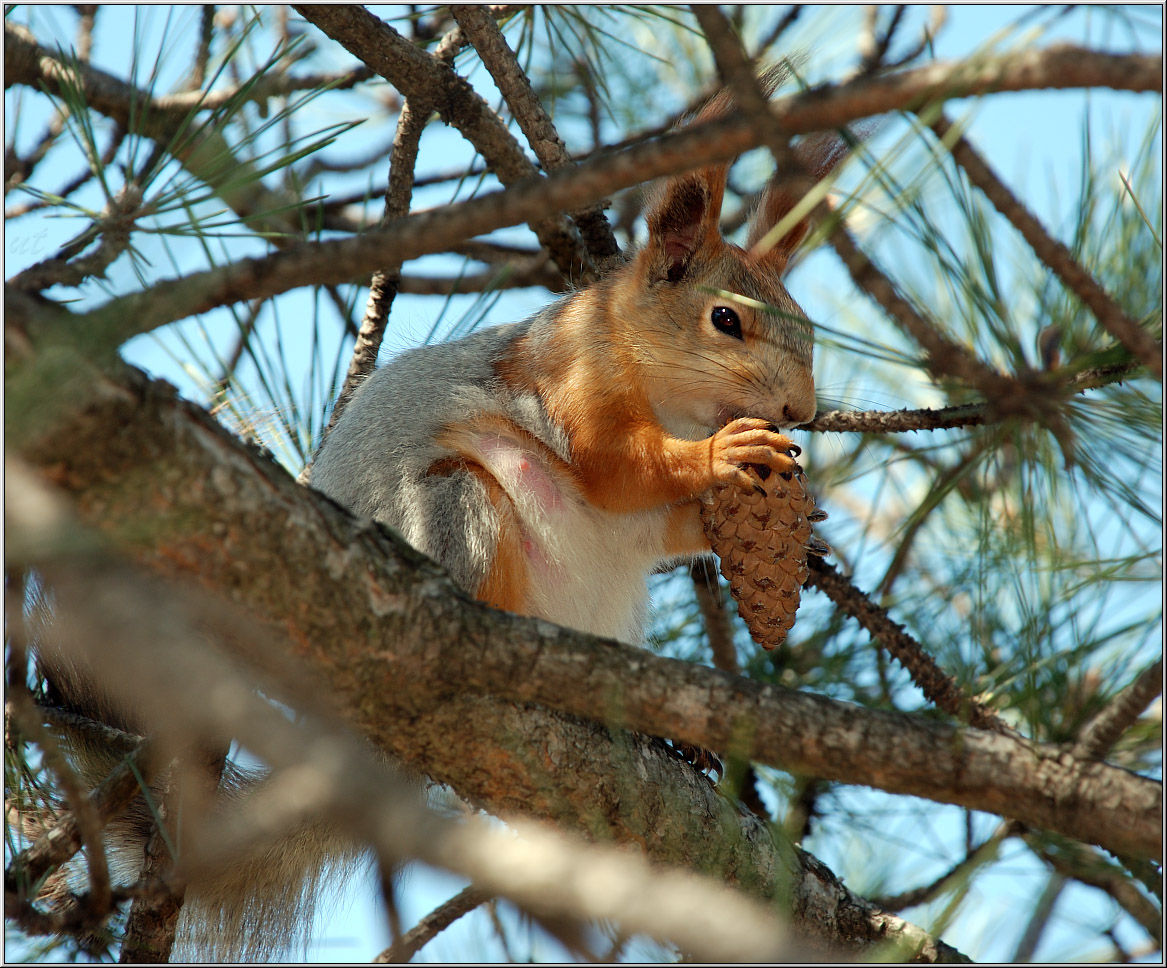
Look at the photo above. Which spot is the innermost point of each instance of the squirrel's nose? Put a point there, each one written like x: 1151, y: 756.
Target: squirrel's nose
x: 799, y: 413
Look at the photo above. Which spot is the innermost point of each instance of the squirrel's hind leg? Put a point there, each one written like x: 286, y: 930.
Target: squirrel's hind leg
x: 503, y: 577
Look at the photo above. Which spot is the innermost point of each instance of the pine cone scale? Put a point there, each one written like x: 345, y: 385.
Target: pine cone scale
x: 762, y: 537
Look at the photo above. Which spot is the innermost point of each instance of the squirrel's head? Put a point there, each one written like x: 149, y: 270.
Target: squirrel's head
x: 722, y: 337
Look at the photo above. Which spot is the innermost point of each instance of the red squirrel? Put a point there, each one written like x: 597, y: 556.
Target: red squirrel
x: 552, y: 464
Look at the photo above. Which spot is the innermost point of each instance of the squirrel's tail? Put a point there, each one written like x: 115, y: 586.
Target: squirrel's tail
x: 257, y: 904
x: 264, y: 900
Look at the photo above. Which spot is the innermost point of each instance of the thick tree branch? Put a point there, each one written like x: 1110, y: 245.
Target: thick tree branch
x: 575, y: 776
x: 448, y: 654
x: 322, y: 771
x: 343, y: 260
x: 431, y: 80
x: 159, y: 640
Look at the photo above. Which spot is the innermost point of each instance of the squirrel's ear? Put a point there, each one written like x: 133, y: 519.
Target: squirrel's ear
x: 819, y: 155
x: 684, y: 212
x: 683, y: 215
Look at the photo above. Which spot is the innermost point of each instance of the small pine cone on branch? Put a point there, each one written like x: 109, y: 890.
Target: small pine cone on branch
x: 761, y: 537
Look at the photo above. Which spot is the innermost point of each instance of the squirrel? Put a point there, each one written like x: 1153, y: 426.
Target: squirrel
x: 550, y: 465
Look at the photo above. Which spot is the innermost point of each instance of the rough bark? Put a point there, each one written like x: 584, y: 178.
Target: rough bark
x: 334, y: 262
x: 223, y: 516
x: 181, y: 495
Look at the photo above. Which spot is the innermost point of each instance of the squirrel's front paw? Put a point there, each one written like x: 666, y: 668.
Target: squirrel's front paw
x: 750, y: 440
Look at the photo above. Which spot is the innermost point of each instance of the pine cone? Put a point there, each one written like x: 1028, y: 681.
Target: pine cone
x: 761, y: 537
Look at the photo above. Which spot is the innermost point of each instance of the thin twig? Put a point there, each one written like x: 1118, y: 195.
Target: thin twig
x: 383, y: 288
x: 939, y: 688
x: 1053, y: 253
x: 936, y: 22
x: 432, y: 925
x: 17, y: 168
x: 896, y: 421
x: 779, y: 29
x: 536, y: 124
x: 455, y: 41
x: 711, y: 601
x: 1105, y: 729
x: 350, y: 163
x: 937, y: 490
x: 245, y: 332
x: 342, y: 309
x: 1089, y: 867
x: 944, y: 356
x: 962, y: 868
x: 198, y: 70
x: 1038, y: 919
x: 113, y: 228
x: 874, y: 46
x: 541, y: 273
x: 84, y: 44
x: 963, y: 415
x: 79, y: 180
x: 203, y: 151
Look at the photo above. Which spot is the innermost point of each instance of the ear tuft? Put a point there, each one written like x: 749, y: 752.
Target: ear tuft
x: 682, y: 217
x: 819, y: 155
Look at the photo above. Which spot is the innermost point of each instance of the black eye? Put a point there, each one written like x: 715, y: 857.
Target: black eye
x: 725, y: 320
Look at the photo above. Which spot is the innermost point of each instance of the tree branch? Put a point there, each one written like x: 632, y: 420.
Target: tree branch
x: 1053, y: 253
x: 431, y: 926
x: 64, y: 840
x: 483, y: 32
x: 431, y: 80
x: 673, y: 812
x: 203, y: 151
x: 342, y: 260
x: 167, y: 668
x: 1102, y: 732
x: 962, y: 415
x: 447, y: 654
x: 938, y: 687
x: 383, y: 288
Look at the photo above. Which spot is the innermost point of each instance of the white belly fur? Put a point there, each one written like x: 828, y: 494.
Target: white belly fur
x: 587, y: 567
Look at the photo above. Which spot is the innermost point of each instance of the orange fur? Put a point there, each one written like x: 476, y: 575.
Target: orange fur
x: 622, y: 459
x: 594, y: 386
x: 685, y: 532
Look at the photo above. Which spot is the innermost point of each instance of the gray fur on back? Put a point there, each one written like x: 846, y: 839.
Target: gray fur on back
x: 375, y: 460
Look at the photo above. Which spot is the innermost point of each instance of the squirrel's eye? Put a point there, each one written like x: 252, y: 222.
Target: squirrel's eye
x: 725, y: 320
